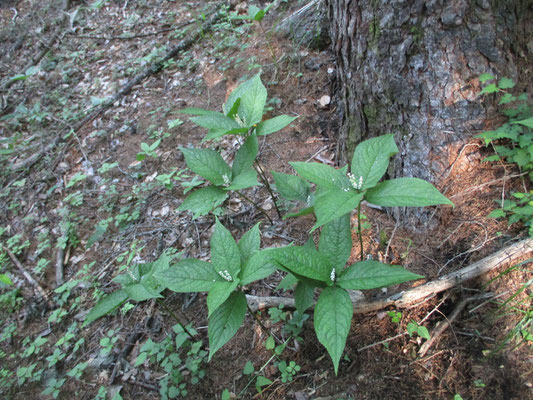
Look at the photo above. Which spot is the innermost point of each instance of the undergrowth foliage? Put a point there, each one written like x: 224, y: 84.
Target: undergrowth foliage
x: 513, y: 142
x: 235, y: 265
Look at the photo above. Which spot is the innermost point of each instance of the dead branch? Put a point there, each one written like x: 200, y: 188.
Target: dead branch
x: 442, y: 326
x: 26, y: 274
x: 37, y: 59
x: 412, y: 297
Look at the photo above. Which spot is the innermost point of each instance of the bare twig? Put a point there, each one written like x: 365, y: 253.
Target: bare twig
x: 441, y: 327
x: 413, y: 296
x: 26, y: 274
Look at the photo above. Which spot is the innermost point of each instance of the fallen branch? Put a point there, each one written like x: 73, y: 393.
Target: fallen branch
x: 152, y: 69
x: 414, y: 296
x: 37, y: 59
x: 26, y: 274
x: 442, y: 326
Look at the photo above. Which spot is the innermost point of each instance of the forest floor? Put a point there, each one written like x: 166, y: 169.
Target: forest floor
x: 76, y: 206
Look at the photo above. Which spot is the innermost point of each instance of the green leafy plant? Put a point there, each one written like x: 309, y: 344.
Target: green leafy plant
x: 325, y: 268
x: 232, y: 266
x: 148, y: 150
x: 513, y: 142
x: 413, y: 327
x: 242, y: 115
x: 338, y: 192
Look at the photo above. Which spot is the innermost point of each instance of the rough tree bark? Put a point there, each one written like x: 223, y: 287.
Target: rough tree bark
x: 410, y: 67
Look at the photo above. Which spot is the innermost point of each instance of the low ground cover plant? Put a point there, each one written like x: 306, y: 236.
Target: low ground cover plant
x: 234, y: 265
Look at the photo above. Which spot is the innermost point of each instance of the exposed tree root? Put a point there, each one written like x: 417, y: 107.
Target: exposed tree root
x: 414, y: 296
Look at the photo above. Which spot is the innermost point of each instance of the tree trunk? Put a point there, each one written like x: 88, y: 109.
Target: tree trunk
x: 411, y: 68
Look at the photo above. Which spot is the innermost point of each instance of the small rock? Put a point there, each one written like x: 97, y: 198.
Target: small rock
x: 324, y: 101
x: 164, y: 211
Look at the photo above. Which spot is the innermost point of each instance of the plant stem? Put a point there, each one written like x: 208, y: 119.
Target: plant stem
x: 264, y: 179
x: 263, y: 327
x: 359, y: 232
x: 173, y: 315
x: 256, y: 206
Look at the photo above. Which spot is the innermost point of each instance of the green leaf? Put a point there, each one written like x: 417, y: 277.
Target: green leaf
x: 304, y: 295
x: 423, y: 332
x: 106, y: 305
x: 249, y: 243
x: 99, y: 232
x: 287, y: 282
x: 203, y: 200
x: 259, y: 266
x: 410, y: 192
x: 302, y: 261
x: 255, y: 13
x: 248, y: 368
x: 215, y: 120
x: 321, y: 174
x: 4, y: 279
x: 292, y: 187
x: 189, y: 275
x: 225, y: 321
x: 485, y: 77
x: 245, y: 157
x: 273, y: 125
x: 234, y: 109
x: 219, y: 293
x: 490, y: 88
x: 253, y: 97
x: 260, y: 382
x: 526, y: 122
x: 333, y: 204
x: 333, y: 316
x: 372, y: 274
x: 208, y: 164
x: 246, y: 179
x: 498, y: 213
x: 196, y: 111
x: 141, y: 292
x: 336, y: 241
x: 371, y: 159
x: 216, y: 133
x: 270, y: 343
x: 225, y: 254
x: 303, y: 211
x: 506, y: 83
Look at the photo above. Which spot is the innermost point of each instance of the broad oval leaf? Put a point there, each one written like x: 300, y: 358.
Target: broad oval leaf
x: 336, y: 241
x: 257, y: 267
x: 253, y: 97
x: 371, y: 159
x: 208, y: 164
x: 372, y: 274
x: 225, y: 254
x: 322, y: 174
x: 225, y: 321
x: 405, y: 192
x: 292, y: 187
x: 203, y: 200
x: 106, y: 305
x: 303, y: 296
x: 245, y: 157
x: 215, y: 120
x: 218, y: 294
x: 333, y: 204
x: 189, y: 275
x: 273, y: 125
x: 246, y: 179
x: 333, y: 316
x: 303, y: 261
x: 141, y: 292
x: 250, y: 243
